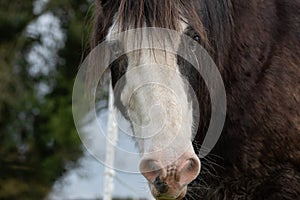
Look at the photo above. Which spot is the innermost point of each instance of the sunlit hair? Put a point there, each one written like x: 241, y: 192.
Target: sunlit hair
x: 209, y: 19
x: 152, y: 13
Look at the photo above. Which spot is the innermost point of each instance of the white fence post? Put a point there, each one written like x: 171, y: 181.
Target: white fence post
x: 111, y: 141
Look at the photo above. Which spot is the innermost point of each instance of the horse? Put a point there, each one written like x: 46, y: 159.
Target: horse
x: 255, y: 46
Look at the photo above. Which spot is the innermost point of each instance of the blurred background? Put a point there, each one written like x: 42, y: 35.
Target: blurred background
x: 42, y: 43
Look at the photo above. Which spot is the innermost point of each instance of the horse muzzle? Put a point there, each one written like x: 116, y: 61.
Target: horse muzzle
x: 170, y: 181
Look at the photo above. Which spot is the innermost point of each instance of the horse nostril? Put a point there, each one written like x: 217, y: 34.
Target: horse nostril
x: 160, y: 186
x: 189, y: 170
x: 151, y: 169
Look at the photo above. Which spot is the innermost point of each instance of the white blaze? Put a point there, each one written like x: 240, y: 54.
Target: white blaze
x: 155, y: 94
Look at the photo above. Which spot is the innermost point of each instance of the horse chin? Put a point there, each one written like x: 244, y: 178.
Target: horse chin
x: 180, y: 195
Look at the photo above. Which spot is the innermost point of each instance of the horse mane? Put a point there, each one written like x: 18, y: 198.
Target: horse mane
x: 216, y: 17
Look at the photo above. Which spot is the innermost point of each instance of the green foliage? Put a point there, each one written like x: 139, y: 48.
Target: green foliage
x: 37, y: 134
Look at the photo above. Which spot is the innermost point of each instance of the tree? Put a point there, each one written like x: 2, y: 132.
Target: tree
x: 37, y: 134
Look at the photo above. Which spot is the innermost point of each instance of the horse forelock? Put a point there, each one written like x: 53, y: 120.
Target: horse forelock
x: 130, y: 14
x: 211, y: 20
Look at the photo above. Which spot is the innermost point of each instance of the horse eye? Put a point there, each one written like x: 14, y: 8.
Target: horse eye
x: 193, y: 43
x: 196, y: 38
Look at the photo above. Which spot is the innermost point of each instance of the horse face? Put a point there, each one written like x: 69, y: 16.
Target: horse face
x: 153, y: 95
